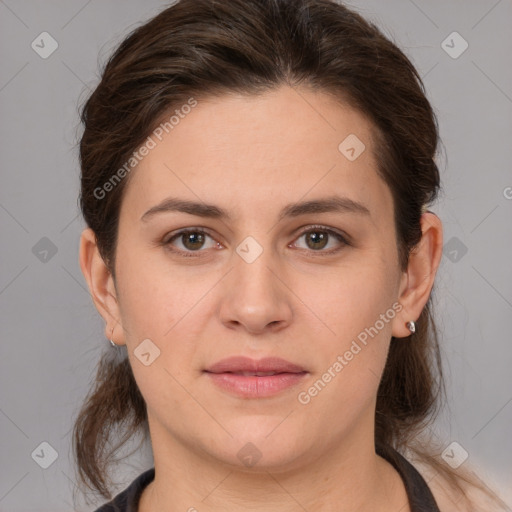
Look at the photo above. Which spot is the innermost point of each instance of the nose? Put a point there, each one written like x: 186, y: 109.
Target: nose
x: 255, y: 296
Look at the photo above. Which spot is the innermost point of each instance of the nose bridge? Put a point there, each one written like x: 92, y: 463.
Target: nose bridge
x: 253, y: 264
x: 256, y: 296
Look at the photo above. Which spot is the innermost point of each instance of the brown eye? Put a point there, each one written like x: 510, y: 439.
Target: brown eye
x: 318, y: 238
x: 192, y: 240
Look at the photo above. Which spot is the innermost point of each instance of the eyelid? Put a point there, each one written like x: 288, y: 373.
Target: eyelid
x: 341, y: 236
x: 344, y: 239
x: 328, y: 229
x: 168, y: 239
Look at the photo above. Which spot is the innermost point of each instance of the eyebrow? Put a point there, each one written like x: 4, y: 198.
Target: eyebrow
x: 323, y: 205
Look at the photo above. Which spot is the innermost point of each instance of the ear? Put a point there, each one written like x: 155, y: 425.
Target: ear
x: 101, y: 286
x: 417, y: 281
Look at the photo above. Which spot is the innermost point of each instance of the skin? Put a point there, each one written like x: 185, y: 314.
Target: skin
x: 252, y: 156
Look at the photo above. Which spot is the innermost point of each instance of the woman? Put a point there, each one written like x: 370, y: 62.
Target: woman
x: 255, y: 182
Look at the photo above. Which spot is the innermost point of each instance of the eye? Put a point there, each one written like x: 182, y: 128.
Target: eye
x: 191, y: 239
x: 317, y: 238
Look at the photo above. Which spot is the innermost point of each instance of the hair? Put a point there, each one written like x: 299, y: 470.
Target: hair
x: 209, y: 48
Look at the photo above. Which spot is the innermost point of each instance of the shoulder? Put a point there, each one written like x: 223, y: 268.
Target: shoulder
x: 469, y: 498
x: 129, y: 499
x: 449, y: 499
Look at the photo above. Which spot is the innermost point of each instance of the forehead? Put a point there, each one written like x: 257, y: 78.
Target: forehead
x: 257, y: 151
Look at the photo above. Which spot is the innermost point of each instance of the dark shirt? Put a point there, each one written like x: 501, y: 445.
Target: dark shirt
x: 418, y: 492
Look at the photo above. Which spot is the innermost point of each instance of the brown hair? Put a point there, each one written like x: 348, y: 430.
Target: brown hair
x: 205, y: 48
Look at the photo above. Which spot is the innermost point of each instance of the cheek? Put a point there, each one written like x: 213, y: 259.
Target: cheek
x: 154, y: 298
x: 353, y: 299
x: 356, y: 310
x: 169, y: 308
x: 157, y: 314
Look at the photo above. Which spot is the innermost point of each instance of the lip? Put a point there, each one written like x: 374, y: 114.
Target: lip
x: 246, y: 364
x: 238, y: 376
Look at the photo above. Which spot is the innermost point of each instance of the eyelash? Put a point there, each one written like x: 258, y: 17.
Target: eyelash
x: 310, y: 229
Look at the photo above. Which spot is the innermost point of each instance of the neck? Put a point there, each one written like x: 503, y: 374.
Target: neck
x: 347, y: 477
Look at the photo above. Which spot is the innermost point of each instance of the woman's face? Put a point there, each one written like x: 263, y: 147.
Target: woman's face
x: 261, y: 282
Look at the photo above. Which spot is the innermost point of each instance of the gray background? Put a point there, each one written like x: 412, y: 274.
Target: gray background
x: 51, y: 334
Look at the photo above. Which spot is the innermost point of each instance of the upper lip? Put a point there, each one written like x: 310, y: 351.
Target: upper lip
x: 246, y: 364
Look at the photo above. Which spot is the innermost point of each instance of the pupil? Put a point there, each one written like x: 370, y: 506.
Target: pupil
x: 189, y: 240
x: 193, y: 240
x: 318, y: 237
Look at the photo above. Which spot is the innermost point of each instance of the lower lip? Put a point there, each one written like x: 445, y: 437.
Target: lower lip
x: 252, y: 386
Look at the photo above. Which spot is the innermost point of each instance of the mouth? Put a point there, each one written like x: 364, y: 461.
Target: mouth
x: 267, y: 365
x: 254, y: 374
x: 250, y: 378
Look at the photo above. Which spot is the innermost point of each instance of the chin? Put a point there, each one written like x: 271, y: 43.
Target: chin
x: 262, y: 443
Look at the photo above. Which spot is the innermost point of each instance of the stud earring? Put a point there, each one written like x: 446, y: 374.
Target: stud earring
x: 411, y: 326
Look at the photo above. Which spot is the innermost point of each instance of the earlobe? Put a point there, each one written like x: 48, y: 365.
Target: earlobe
x: 100, y: 283
x: 418, y: 280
